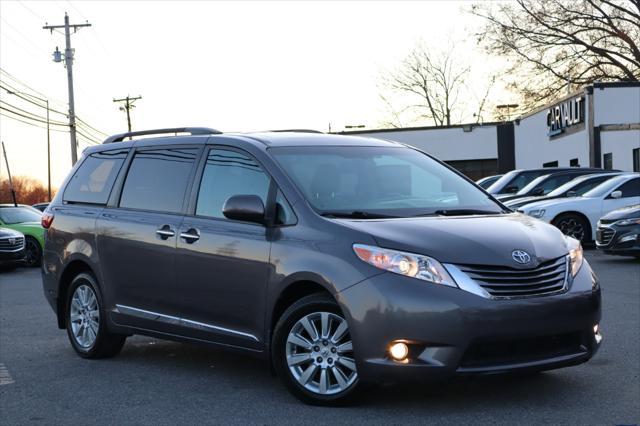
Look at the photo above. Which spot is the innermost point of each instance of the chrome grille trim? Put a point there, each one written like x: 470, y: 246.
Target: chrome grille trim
x: 503, y: 282
x: 6, y: 245
x: 604, y: 236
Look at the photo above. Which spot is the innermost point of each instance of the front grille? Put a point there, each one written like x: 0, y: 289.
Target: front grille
x: 604, y: 236
x: 11, y: 244
x: 505, y: 282
x: 493, y: 353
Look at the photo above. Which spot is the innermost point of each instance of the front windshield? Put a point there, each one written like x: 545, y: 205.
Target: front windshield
x: 382, y: 181
x: 532, y: 185
x: 579, y: 186
x: 13, y: 215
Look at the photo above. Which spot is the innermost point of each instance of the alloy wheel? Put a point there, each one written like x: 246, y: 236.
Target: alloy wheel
x: 319, y: 353
x: 84, y: 316
x: 572, y: 227
x: 31, y: 253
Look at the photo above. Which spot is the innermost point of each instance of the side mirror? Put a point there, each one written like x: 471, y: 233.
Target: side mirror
x: 571, y: 194
x: 616, y: 194
x: 246, y: 208
x: 538, y: 191
x: 511, y: 189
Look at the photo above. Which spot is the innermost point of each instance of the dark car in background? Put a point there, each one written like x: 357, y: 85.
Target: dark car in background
x: 515, y: 180
x: 573, y: 188
x: 619, y: 232
x: 341, y: 260
x: 41, y: 206
x: 486, y: 182
x: 12, y: 248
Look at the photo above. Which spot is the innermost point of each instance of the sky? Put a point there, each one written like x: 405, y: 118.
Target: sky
x: 233, y: 66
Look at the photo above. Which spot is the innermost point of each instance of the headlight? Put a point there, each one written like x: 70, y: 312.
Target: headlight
x: 628, y: 222
x: 411, y: 265
x: 537, y: 213
x: 575, y: 254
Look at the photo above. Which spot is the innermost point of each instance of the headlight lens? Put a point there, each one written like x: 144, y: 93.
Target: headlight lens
x: 575, y: 254
x: 628, y: 222
x: 411, y: 265
x: 537, y: 213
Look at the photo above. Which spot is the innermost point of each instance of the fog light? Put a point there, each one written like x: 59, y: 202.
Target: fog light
x: 399, y: 351
x: 596, y: 333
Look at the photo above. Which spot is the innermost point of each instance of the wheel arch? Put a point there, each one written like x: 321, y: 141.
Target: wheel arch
x: 70, y: 271
x: 579, y: 214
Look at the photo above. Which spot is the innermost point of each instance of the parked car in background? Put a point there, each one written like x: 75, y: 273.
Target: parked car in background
x: 619, y: 232
x: 577, y: 217
x: 515, y: 180
x: 25, y: 219
x: 574, y: 188
x: 486, y: 182
x: 12, y: 248
x: 542, y: 185
x: 40, y: 206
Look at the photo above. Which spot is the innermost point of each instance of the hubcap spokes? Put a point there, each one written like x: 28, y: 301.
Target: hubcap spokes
x: 319, y: 353
x: 85, y: 316
x: 572, y: 228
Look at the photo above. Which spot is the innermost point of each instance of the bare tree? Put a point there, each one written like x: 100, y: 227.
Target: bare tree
x: 555, y: 46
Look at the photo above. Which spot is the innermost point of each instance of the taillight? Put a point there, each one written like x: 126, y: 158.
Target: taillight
x: 46, y: 220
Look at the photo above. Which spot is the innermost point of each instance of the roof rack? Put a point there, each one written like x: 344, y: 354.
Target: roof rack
x: 297, y: 131
x: 191, y: 130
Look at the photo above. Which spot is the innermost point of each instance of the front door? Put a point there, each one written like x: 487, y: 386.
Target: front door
x: 222, y: 266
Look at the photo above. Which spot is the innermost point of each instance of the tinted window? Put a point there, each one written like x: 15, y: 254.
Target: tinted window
x: 92, y: 182
x: 630, y: 188
x: 157, y: 180
x: 229, y: 173
x: 284, y: 212
x: 555, y: 182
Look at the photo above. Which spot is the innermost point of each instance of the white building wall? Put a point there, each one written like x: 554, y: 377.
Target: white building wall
x: 621, y: 145
x: 533, y: 147
x: 616, y: 105
x: 448, y: 144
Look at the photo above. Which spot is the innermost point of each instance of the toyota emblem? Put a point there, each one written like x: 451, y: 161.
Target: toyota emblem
x: 521, y: 257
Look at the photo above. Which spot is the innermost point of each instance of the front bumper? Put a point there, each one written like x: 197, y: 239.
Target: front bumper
x: 12, y: 256
x: 619, y: 240
x: 454, y: 332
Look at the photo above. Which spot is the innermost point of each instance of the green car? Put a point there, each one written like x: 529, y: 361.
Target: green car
x: 25, y: 219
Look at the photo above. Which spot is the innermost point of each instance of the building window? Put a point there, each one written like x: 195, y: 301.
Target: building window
x: 574, y: 162
x: 607, y: 161
x: 636, y: 159
x: 550, y: 164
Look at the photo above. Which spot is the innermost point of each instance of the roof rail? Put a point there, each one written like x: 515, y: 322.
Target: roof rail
x: 297, y: 131
x: 191, y: 130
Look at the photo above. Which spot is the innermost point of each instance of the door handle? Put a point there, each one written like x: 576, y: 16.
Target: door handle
x: 165, y: 232
x: 191, y: 236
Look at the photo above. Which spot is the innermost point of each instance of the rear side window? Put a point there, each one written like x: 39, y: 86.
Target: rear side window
x: 92, y: 182
x: 157, y: 180
x: 630, y: 188
x: 229, y: 173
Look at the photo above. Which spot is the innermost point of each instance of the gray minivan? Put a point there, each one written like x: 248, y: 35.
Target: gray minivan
x: 340, y: 260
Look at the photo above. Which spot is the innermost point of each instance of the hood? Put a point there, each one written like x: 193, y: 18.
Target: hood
x: 522, y: 201
x: 480, y: 240
x: 623, y: 213
x: 546, y: 202
x: 6, y: 232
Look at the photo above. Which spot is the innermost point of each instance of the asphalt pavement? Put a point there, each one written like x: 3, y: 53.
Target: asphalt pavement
x: 151, y: 381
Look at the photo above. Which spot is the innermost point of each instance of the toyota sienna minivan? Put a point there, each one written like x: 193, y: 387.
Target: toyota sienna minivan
x: 342, y: 261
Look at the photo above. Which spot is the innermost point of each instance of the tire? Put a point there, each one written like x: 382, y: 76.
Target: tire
x: 315, y: 359
x: 87, y: 330
x: 33, y: 253
x: 574, y: 226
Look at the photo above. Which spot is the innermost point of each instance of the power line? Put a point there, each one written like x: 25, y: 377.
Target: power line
x: 128, y: 106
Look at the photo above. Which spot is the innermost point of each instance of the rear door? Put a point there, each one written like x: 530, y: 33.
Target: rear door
x: 137, y: 235
x: 222, y: 266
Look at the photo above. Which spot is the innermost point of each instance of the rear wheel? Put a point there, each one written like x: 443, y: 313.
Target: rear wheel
x: 85, y: 318
x: 574, y: 226
x: 33, y: 252
x: 313, y: 352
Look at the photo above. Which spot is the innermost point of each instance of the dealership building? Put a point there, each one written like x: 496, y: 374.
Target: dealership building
x: 598, y: 126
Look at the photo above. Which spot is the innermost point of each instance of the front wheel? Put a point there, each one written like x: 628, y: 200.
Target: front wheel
x: 33, y: 253
x: 86, y: 321
x: 574, y: 226
x: 313, y: 352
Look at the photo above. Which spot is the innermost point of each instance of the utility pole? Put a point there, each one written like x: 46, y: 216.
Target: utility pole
x: 68, y: 60
x: 13, y: 192
x: 128, y: 106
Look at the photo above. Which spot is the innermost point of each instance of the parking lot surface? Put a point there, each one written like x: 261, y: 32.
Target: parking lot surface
x: 42, y: 381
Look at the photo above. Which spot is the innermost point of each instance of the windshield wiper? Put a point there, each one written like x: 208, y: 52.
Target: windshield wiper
x: 356, y: 214
x: 464, y: 212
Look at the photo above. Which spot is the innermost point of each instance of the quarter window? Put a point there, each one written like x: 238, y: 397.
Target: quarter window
x: 228, y: 173
x: 93, y: 180
x: 157, y: 180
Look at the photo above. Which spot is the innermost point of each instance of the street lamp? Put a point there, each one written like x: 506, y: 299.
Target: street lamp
x: 46, y: 101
